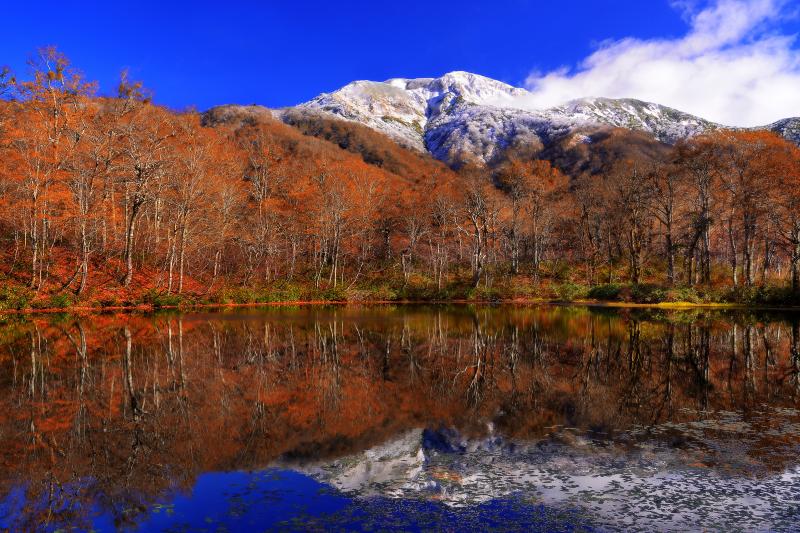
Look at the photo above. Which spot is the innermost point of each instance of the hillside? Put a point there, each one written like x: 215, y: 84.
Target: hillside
x: 372, y: 147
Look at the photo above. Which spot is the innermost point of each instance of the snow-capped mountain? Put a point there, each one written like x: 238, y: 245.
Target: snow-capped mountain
x: 466, y: 116
x: 569, y: 471
x: 407, y: 109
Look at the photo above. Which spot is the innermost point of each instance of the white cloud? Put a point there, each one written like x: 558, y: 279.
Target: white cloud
x: 733, y: 66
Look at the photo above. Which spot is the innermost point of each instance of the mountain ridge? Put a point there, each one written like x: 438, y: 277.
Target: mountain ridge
x: 464, y: 117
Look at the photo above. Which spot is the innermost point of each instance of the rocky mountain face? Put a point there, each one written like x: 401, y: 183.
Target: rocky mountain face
x: 463, y: 117
x: 568, y: 470
x: 789, y: 128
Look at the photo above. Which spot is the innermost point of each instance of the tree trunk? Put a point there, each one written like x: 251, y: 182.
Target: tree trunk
x: 536, y: 247
x: 795, y: 260
x: 129, y: 232
x: 34, y: 249
x: 748, y: 255
x: 706, y: 236
x: 84, y: 269
x: 635, y: 254
x: 734, y: 255
x: 670, y: 250
x: 171, y: 238
x: 767, y: 262
x: 128, y: 370
x: 181, y: 257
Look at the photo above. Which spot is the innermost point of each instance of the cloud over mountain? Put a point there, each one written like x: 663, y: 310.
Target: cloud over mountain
x: 735, y: 65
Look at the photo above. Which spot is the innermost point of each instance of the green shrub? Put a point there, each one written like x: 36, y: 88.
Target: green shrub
x: 761, y: 295
x: 161, y: 299
x: 334, y: 294
x: 647, y: 293
x: 60, y: 301
x: 383, y: 293
x: 606, y: 292
x: 683, y: 294
x: 570, y: 290
x: 109, y: 301
x: 562, y: 271
x: 744, y: 295
x: 239, y: 295
x: 427, y: 292
x: 784, y: 295
x: 266, y: 296
x: 281, y: 291
x: 484, y: 294
x: 15, y: 297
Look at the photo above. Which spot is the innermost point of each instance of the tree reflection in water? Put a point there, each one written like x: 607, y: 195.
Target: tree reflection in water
x: 110, y: 413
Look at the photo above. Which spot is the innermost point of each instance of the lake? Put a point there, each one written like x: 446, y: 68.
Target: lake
x: 459, y: 418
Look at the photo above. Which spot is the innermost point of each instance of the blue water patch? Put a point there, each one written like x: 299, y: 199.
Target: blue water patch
x: 285, y: 500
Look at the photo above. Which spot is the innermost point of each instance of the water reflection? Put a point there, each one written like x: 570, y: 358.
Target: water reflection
x: 106, y: 420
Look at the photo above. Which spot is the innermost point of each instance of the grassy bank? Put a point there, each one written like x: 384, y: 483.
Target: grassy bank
x: 18, y: 298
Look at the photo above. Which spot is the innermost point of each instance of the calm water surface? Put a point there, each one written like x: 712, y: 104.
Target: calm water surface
x: 409, y: 418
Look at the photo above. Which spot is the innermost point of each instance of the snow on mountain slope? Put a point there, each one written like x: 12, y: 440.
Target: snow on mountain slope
x: 462, y: 116
x: 386, y: 107
x: 664, y: 123
x: 789, y: 128
x: 638, y: 483
x: 404, y: 108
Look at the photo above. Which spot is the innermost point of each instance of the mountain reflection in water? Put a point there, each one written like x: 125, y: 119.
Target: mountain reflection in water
x: 403, y: 417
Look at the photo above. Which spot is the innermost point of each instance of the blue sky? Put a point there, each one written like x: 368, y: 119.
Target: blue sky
x: 281, y: 53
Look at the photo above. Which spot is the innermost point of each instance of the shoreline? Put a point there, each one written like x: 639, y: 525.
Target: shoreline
x: 148, y: 308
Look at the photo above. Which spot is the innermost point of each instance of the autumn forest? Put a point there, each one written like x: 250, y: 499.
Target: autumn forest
x: 114, y: 200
